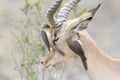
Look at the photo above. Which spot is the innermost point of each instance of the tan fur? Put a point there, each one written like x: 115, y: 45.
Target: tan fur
x: 100, y: 66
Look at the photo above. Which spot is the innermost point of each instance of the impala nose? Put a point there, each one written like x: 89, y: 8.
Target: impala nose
x: 42, y: 62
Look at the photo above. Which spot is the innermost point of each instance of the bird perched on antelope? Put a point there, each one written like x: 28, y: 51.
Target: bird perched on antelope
x: 70, y: 38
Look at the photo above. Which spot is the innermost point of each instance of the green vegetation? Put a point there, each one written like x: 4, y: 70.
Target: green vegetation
x: 31, y: 48
x: 26, y: 32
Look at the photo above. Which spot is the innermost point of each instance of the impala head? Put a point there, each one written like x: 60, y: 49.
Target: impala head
x: 62, y: 30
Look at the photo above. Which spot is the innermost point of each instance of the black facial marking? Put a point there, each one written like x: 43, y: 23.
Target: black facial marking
x: 45, y: 39
x: 55, y: 38
x: 57, y: 49
x: 55, y: 35
x: 77, y: 49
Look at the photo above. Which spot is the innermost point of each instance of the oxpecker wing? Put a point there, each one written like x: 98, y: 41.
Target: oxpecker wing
x: 77, y: 49
x: 45, y: 39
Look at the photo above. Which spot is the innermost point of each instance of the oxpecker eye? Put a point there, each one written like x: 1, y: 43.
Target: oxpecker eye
x: 45, y: 26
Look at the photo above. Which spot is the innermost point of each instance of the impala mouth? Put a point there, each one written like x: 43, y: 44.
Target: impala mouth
x: 48, y: 66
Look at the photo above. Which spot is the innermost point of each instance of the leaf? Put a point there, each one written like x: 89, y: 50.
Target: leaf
x: 25, y: 39
x: 22, y: 65
x: 31, y: 74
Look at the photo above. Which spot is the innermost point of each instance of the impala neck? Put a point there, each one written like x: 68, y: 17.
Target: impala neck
x: 98, y: 62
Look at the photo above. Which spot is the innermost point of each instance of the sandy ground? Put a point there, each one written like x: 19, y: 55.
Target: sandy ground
x: 104, y: 29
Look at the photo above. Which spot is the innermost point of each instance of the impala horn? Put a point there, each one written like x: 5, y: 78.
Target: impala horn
x: 51, y: 11
x: 64, y: 12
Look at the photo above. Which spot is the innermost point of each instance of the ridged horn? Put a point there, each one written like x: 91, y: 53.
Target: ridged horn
x: 51, y: 11
x: 64, y: 12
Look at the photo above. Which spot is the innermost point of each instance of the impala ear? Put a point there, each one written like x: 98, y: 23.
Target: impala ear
x: 45, y: 38
x: 90, y: 14
x: 94, y: 10
x: 83, y: 20
x: 83, y: 24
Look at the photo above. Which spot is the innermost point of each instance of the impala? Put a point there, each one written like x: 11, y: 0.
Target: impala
x: 70, y: 38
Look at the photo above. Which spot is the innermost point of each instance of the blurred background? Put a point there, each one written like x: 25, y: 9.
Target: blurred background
x: 104, y: 28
